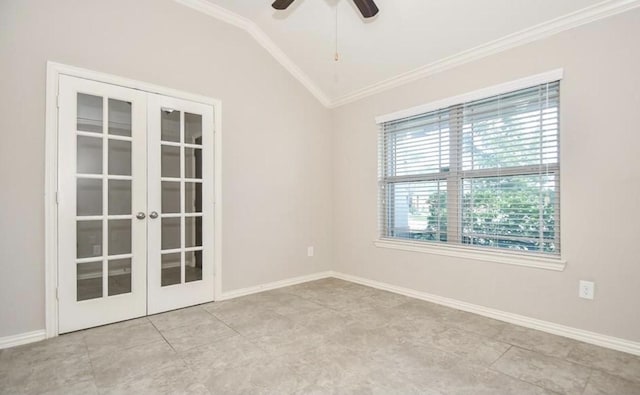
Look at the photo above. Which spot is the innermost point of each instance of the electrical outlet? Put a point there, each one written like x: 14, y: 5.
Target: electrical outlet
x: 586, y: 289
x: 310, y: 251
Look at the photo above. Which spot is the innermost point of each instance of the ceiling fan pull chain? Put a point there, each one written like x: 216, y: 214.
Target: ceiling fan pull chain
x: 337, y: 55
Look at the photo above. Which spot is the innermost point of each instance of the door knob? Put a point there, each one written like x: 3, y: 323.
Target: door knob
x: 140, y: 215
x: 153, y: 215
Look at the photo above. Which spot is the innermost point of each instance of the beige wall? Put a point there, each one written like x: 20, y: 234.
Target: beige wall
x: 296, y: 174
x: 276, y: 136
x: 600, y: 169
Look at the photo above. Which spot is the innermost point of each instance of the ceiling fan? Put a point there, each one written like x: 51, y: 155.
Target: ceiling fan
x: 367, y: 7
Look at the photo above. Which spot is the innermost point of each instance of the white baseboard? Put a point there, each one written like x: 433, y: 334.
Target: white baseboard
x: 30, y: 337
x: 274, y: 285
x: 22, y: 338
x: 615, y: 343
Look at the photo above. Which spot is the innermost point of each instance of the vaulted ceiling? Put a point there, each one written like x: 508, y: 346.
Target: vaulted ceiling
x: 407, y: 39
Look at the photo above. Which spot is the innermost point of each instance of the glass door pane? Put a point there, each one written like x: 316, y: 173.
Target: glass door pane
x: 89, y: 197
x: 103, y: 206
x: 181, y: 195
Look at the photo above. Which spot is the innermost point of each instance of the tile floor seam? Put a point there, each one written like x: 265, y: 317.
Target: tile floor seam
x: 151, y: 371
x: 501, y: 355
x: 164, y: 338
x: 181, y: 356
x: 171, y: 311
x: 537, y: 351
x: 266, y: 358
x: 146, y: 343
x: 212, y: 314
x: 526, y: 382
x: 554, y: 357
x: 590, y: 369
x: 225, y: 323
x: 217, y: 339
x: 208, y: 312
x: 609, y: 372
x: 448, y: 351
x: 196, y: 346
x: 523, y: 380
x: 93, y: 372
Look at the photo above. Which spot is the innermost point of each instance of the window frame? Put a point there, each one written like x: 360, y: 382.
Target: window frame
x: 455, y: 178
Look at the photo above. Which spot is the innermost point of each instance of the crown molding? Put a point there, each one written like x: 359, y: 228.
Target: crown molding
x: 543, y: 30
x: 261, y: 37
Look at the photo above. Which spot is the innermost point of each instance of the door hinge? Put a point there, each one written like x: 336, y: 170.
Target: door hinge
x: 57, y: 295
x: 58, y: 101
x: 57, y: 197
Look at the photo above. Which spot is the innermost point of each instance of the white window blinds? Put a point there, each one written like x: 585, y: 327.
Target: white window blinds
x: 482, y: 174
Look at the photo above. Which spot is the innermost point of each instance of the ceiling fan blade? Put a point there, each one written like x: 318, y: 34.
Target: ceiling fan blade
x: 281, y: 4
x: 367, y: 7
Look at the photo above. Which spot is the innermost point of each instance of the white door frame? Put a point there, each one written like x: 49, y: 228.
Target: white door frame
x: 54, y: 70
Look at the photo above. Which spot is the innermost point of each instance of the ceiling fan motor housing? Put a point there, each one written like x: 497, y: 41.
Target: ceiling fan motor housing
x: 367, y: 8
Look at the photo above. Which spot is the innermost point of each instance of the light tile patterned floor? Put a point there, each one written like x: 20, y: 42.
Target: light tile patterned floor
x: 323, y: 337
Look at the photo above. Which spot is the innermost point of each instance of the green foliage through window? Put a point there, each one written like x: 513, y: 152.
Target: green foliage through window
x: 484, y: 173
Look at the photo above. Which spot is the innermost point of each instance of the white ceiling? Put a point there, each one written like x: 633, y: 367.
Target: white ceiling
x: 404, y: 36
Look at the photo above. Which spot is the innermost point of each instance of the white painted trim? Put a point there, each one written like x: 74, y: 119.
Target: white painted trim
x: 22, y: 338
x: 217, y: 209
x: 614, y: 343
x: 59, y: 68
x: 522, y: 83
x: 274, y: 285
x: 543, y: 30
x: 50, y: 204
x: 477, y: 254
x: 261, y: 37
x: 30, y: 337
x: 54, y: 70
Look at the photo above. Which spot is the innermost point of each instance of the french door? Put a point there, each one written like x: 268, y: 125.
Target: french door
x: 180, y: 231
x: 135, y: 203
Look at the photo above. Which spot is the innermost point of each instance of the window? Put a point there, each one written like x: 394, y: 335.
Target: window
x: 481, y: 173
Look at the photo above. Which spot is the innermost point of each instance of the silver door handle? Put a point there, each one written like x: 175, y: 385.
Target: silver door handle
x: 153, y: 215
x: 140, y: 215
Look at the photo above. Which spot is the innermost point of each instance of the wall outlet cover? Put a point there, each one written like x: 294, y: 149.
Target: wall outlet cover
x: 586, y: 289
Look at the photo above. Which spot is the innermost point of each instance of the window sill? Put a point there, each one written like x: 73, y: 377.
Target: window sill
x: 555, y: 264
